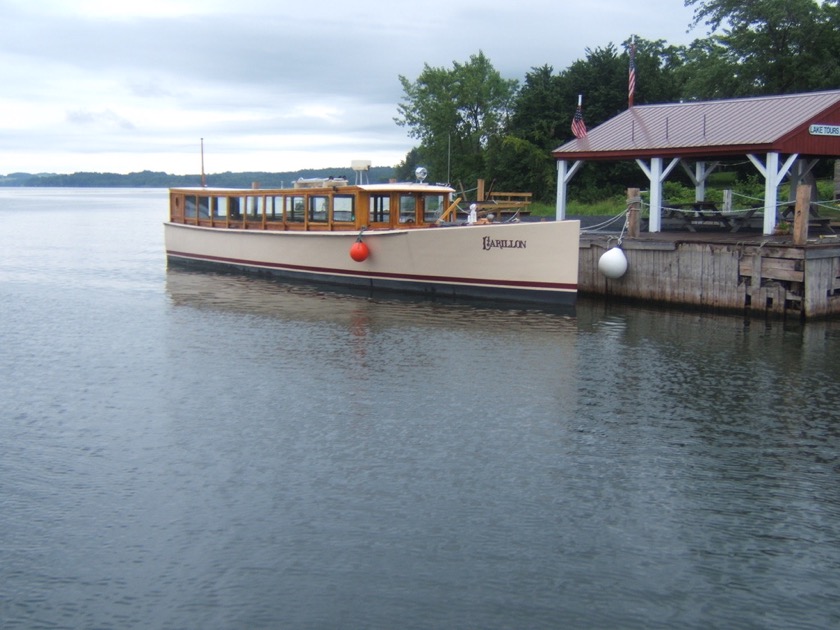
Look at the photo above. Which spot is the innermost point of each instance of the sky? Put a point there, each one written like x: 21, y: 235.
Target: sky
x: 122, y: 86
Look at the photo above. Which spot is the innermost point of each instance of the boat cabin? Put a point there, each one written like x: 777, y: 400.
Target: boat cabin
x: 312, y: 205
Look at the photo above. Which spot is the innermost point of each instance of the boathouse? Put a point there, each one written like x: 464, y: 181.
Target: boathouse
x: 783, y: 136
x: 731, y: 268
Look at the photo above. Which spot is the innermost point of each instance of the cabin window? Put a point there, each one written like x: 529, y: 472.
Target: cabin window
x: 344, y: 208
x: 218, y: 208
x: 199, y: 206
x: 274, y: 208
x: 234, y: 208
x: 434, y: 206
x: 318, y: 206
x: 380, y: 209
x: 408, y: 209
x: 189, y: 207
x: 254, y: 208
x: 295, y: 209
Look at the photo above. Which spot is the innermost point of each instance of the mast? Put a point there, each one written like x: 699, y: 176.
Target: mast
x: 203, y: 179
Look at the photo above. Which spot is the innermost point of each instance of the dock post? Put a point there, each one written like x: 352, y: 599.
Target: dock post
x: 801, y: 214
x: 634, y: 202
x: 727, y: 200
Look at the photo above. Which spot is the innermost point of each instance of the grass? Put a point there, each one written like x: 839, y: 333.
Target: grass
x: 607, y: 207
x: 677, y: 193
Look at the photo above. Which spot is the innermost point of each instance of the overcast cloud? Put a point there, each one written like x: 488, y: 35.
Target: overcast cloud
x: 271, y: 85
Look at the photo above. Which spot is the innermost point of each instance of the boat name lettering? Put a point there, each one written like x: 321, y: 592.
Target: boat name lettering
x: 502, y: 243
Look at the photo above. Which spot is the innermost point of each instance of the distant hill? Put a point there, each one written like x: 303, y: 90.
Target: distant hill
x: 154, y: 179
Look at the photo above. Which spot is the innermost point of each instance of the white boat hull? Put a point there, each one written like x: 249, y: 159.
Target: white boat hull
x: 528, y: 261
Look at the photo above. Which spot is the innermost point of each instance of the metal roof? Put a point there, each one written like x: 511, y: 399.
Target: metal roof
x: 714, y: 129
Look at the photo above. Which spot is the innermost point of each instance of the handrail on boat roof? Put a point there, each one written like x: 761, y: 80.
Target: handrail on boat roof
x: 391, y: 187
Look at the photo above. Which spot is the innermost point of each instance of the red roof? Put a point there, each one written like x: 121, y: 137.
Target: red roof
x: 715, y: 129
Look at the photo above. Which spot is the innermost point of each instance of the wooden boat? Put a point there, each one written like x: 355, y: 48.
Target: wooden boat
x: 397, y: 236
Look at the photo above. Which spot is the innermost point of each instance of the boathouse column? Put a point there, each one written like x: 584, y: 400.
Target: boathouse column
x: 773, y: 176
x: 700, y: 181
x: 656, y: 175
x: 564, y: 176
x: 698, y: 177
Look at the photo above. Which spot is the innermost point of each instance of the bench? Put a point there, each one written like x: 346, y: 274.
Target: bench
x: 505, y: 203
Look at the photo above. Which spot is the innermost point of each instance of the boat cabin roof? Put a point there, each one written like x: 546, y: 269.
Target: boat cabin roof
x: 409, y: 187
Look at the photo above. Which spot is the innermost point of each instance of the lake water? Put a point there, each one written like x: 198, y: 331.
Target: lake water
x: 187, y: 450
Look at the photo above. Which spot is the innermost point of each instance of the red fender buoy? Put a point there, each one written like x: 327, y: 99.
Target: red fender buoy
x: 359, y: 251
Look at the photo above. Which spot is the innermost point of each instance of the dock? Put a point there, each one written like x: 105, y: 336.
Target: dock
x: 743, y: 272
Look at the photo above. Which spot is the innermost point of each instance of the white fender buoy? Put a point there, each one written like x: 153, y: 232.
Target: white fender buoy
x: 613, y: 263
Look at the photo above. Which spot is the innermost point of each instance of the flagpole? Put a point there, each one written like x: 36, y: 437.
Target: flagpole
x: 631, y: 76
x: 578, y: 126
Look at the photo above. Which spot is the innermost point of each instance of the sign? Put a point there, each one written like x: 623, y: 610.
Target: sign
x: 824, y: 130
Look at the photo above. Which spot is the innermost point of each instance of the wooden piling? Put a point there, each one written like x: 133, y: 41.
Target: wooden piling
x: 801, y: 214
x: 634, y: 202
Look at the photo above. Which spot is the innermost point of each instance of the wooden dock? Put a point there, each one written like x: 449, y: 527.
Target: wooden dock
x: 751, y: 274
x: 786, y: 275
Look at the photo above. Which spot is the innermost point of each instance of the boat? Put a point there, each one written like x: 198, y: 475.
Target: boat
x: 406, y: 237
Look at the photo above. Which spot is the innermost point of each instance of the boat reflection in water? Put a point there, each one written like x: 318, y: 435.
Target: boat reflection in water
x: 248, y: 295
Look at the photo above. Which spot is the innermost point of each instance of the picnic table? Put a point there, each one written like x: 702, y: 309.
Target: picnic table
x: 706, y: 213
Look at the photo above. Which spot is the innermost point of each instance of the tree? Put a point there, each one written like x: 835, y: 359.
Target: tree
x: 521, y: 158
x: 544, y: 107
x: 708, y: 73
x: 770, y: 46
x: 455, y: 114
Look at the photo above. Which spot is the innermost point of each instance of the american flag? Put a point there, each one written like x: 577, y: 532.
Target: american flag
x: 631, y: 79
x: 578, y: 126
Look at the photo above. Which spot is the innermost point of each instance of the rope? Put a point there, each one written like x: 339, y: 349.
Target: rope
x: 624, y: 228
x: 598, y: 226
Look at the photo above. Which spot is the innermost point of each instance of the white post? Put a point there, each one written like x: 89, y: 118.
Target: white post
x: 562, y: 186
x: 655, y: 195
x: 656, y: 175
x: 771, y: 187
x: 773, y: 175
x: 564, y: 176
x: 700, y: 177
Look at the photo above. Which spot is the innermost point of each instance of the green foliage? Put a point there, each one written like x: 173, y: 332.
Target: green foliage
x: 455, y: 114
x: 766, y: 47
